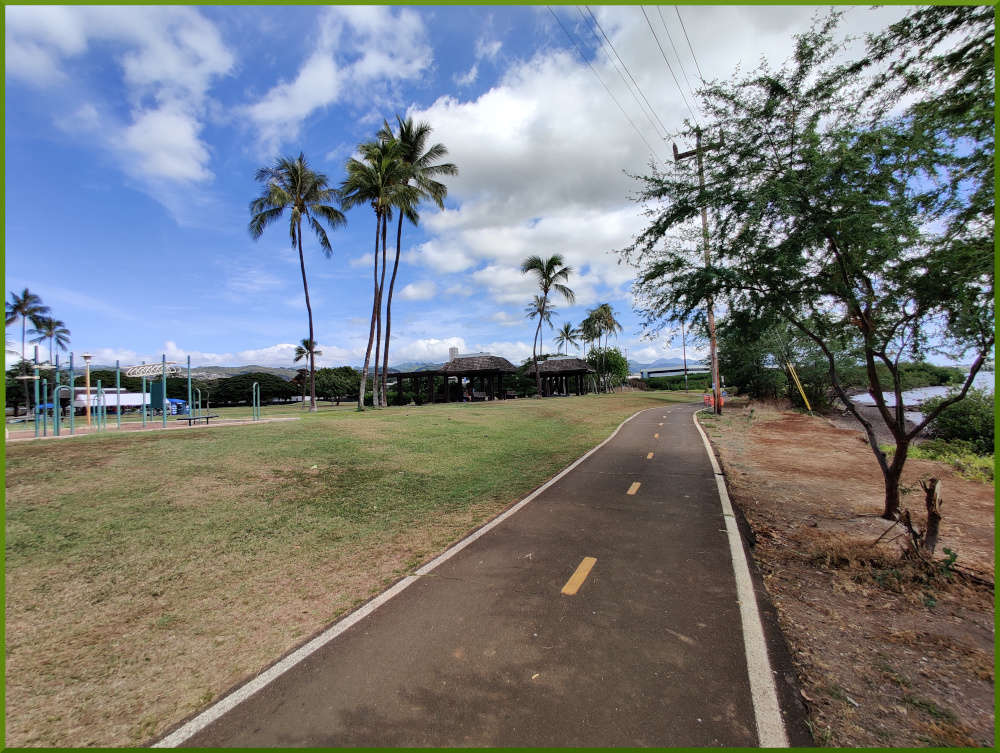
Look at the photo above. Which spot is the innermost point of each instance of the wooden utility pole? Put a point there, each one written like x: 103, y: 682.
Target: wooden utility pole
x: 678, y: 156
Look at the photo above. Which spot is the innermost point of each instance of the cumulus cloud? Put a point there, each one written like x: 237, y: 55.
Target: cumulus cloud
x: 169, y: 58
x: 422, y: 290
x: 356, y: 47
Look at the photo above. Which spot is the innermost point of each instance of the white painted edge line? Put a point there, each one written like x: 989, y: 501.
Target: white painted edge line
x: 242, y: 693
x: 766, y: 709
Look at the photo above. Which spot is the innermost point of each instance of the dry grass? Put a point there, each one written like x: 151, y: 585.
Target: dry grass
x: 147, y: 573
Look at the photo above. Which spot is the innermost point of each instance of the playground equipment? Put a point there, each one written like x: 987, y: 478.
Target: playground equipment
x: 255, y: 401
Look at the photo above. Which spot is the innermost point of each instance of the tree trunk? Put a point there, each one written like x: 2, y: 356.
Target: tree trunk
x: 388, y: 303
x: 378, y: 397
x: 534, y: 355
x: 892, y: 475
x: 932, y: 492
x: 371, y: 331
x: 312, y: 340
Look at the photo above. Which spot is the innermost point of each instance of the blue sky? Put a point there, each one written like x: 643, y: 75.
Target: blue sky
x: 133, y: 134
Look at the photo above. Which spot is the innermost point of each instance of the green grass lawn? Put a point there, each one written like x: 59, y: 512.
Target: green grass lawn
x: 148, y: 572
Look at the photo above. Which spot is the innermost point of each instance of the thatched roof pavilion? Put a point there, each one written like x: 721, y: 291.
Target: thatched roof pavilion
x: 477, y: 364
x: 484, y: 371
x: 560, y: 374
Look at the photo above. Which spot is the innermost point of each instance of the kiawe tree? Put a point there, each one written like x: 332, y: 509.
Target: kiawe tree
x: 291, y: 185
x: 550, y: 274
x: 853, y: 217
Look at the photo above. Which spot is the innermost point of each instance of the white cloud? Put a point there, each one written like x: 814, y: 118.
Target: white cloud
x: 422, y: 290
x: 488, y: 49
x: 168, y: 57
x: 364, y: 261
x: 356, y: 47
x: 469, y: 77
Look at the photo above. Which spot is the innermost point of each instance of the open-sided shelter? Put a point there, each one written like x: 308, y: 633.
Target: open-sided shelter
x: 562, y: 374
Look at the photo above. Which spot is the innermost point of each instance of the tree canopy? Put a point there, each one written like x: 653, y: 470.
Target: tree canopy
x: 839, y: 209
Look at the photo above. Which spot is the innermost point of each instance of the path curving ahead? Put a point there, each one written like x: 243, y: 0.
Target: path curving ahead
x: 602, y: 613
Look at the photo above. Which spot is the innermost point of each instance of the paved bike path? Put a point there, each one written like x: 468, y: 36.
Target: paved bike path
x: 485, y: 650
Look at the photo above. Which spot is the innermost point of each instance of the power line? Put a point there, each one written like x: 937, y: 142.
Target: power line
x: 639, y: 88
x: 676, y: 54
x: 695, y: 57
x: 622, y: 77
x: 669, y: 68
x: 584, y: 58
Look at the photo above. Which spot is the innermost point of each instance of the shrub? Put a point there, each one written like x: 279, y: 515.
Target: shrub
x: 970, y: 420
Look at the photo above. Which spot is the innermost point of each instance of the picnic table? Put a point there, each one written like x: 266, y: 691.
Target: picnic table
x: 193, y: 419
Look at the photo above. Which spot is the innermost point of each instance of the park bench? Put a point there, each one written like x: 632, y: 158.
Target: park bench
x: 511, y: 393
x: 195, y: 419
x: 476, y: 396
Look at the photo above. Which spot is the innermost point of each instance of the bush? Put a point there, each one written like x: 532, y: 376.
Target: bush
x: 958, y: 453
x: 970, y: 420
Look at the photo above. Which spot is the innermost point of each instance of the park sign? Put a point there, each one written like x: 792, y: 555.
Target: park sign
x: 153, y: 369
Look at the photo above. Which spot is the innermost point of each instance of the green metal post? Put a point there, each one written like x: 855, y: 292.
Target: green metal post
x: 255, y: 400
x: 36, y: 399
x: 189, y: 386
x: 72, y: 395
x: 144, y: 400
x: 163, y: 405
x: 45, y: 401
x: 55, y: 396
x: 118, y: 393
x: 97, y: 409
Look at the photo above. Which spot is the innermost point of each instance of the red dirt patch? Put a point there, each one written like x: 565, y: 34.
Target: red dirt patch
x: 888, y: 653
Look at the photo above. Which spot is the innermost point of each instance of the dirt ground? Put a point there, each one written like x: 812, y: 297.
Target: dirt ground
x: 889, y: 652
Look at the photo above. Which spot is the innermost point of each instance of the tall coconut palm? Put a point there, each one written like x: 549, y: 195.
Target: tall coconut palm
x: 26, y: 307
x: 53, y: 330
x: 551, y: 274
x: 421, y: 164
x: 378, y: 179
x: 291, y: 184
x: 566, y: 336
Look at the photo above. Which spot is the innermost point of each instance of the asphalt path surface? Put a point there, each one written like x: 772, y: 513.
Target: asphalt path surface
x: 487, y: 650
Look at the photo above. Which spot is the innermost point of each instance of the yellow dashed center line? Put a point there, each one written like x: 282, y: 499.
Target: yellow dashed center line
x: 649, y: 456
x: 634, y: 488
x: 577, y: 578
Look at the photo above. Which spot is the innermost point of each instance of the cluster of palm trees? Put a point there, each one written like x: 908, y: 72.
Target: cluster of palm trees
x: 552, y: 274
x: 600, y: 323
x: 28, y: 307
x: 393, y: 174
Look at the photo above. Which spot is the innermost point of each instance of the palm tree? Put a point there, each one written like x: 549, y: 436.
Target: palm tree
x: 551, y: 274
x: 53, y: 330
x: 601, y: 322
x: 306, y: 350
x: 538, y: 307
x: 291, y: 184
x: 566, y: 336
x: 26, y: 306
x: 379, y: 179
x: 419, y: 160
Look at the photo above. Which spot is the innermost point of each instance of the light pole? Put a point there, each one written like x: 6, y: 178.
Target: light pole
x: 86, y: 383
